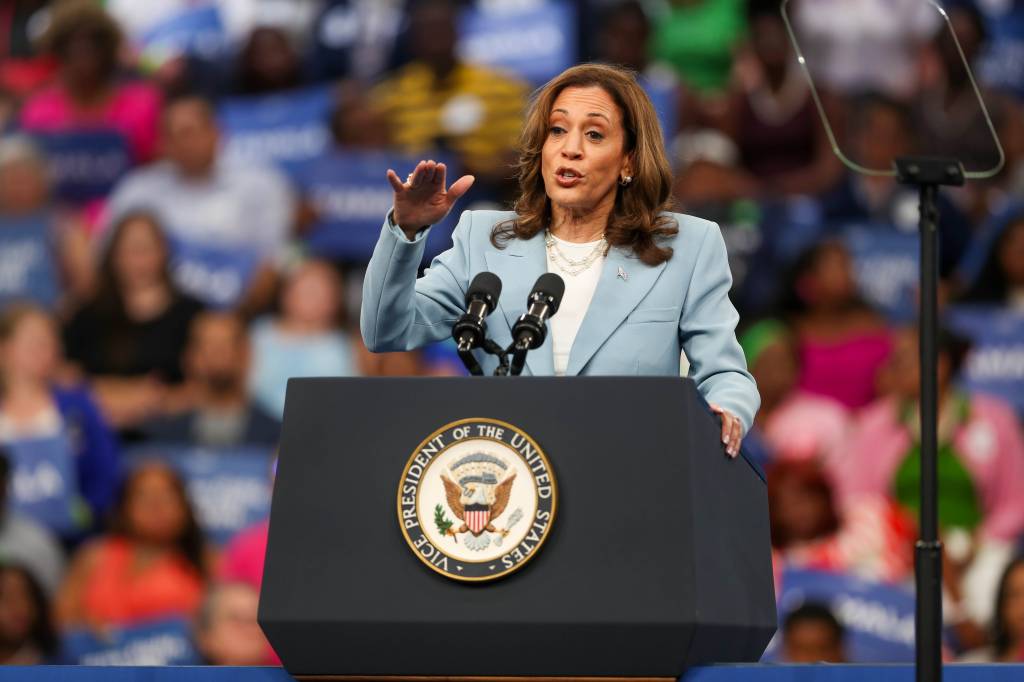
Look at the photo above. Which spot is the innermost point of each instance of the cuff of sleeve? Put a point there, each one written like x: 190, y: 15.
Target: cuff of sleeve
x: 421, y: 234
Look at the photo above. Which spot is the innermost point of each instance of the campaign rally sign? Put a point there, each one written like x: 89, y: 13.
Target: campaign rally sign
x: 878, y: 618
x: 534, y: 39
x: 28, y: 270
x: 43, y: 483
x: 664, y: 96
x: 196, y: 30
x: 995, y: 363
x: 218, y: 276
x: 349, y: 192
x: 283, y: 129
x: 1002, y: 62
x: 886, y: 268
x: 229, y: 487
x: 85, y: 164
x: 154, y: 643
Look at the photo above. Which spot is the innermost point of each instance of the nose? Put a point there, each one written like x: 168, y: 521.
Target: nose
x: 572, y: 148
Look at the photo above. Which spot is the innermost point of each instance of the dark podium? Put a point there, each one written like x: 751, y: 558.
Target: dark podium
x: 658, y: 557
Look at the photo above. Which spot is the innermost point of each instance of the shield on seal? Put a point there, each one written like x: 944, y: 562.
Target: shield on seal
x: 477, y: 517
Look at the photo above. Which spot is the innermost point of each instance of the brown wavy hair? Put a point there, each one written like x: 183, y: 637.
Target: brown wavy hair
x: 636, y: 222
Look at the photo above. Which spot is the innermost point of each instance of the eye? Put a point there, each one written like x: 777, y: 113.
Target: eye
x: 594, y: 135
x: 556, y: 130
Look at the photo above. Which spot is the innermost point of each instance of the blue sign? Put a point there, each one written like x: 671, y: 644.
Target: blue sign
x: 156, y: 643
x: 995, y: 364
x: 28, y: 269
x: 664, y: 96
x: 886, y: 268
x: 350, y: 193
x: 85, y: 164
x: 534, y: 40
x: 218, y: 276
x: 283, y: 129
x: 878, y: 618
x: 43, y: 483
x: 193, y: 30
x: 229, y: 488
x: 1002, y: 62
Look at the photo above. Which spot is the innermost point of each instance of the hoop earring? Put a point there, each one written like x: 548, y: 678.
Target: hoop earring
x: 625, y: 180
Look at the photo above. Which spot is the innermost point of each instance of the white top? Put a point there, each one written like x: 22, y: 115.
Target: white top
x: 579, y: 290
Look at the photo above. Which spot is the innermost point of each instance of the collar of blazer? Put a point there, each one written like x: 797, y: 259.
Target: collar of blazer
x: 521, y: 262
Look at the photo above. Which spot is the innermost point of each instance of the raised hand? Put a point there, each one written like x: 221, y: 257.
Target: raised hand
x: 422, y: 199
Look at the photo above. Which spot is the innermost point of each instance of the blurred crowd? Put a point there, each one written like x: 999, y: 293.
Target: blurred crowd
x: 162, y: 275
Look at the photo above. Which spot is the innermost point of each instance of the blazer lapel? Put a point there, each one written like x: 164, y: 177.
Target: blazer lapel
x: 623, y: 284
x: 518, y: 266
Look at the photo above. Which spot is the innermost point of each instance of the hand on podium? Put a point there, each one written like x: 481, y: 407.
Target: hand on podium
x: 732, y: 430
x: 422, y: 199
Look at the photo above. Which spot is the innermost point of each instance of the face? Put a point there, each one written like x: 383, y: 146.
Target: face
x: 33, y: 350
x: 433, y: 33
x: 1013, y: 605
x: 903, y: 368
x: 155, y: 511
x: 23, y: 187
x: 312, y: 296
x: 218, y: 353
x: 801, y: 509
x: 830, y: 282
x: 771, y: 46
x: 271, y: 57
x: 18, y: 613
x: 625, y: 40
x: 140, y: 254
x: 233, y: 637
x: 1011, y: 255
x: 583, y: 156
x: 884, y: 136
x: 85, y: 57
x: 190, y: 137
x: 811, y: 641
x: 775, y: 370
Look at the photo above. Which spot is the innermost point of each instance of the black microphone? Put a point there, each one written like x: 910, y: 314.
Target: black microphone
x: 481, y: 298
x: 531, y: 328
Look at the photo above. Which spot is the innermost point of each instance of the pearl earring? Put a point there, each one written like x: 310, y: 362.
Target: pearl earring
x: 625, y: 180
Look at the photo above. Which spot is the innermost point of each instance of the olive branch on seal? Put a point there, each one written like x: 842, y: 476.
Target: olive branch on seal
x: 443, y: 522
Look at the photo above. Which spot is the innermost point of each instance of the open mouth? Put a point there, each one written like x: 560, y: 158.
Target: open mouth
x: 567, y: 177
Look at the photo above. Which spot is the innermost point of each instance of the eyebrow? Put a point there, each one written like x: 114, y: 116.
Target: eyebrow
x: 592, y: 113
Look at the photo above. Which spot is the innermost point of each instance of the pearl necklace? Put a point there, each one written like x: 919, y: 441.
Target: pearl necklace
x: 570, y: 266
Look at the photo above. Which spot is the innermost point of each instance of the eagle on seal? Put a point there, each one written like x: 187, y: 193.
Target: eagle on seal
x: 474, y: 494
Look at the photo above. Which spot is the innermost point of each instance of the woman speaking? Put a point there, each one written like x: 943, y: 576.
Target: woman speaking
x: 641, y: 283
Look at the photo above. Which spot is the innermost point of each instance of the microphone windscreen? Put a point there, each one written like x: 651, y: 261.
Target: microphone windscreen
x: 486, y: 286
x: 552, y: 287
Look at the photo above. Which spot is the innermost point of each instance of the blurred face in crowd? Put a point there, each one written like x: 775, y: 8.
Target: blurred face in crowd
x: 903, y: 368
x: 23, y: 187
x: 155, y: 510
x: 30, y: 351
x: 829, y: 282
x: 1013, y: 606
x: 140, y: 254
x: 18, y: 611
x: 969, y: 35
x: 812, y: 641
x: 355, y: 123
x: 1011, y: 254
x: 312, y: 296
x: 433, y: 33
x: 584, y: 153
x: 218, y: 353
x: 230, y: 634
x: 770, y: 43
x: 800, y: 505
x: 190, y: 137
x: 883, y: 136
x: 624, y: 39
x: 88, y: 58
x: 775, y: 370
x: 270, y: 61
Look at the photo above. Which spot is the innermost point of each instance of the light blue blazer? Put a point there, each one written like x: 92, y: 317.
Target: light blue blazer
x: 638, y: 321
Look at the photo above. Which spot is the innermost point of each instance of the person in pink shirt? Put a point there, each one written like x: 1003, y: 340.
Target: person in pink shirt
x: 242, y: 560
x: 793, y: 423
x: 87, y: 94
x: 981, y: 469
x: 841, y: 341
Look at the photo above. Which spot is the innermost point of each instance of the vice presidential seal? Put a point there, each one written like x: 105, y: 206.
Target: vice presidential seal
x: 476, y: 500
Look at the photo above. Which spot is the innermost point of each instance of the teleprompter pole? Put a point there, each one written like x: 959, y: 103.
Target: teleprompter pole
x: 928, y: 174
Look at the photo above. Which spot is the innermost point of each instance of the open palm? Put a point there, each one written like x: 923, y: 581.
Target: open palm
x: 422, y: 199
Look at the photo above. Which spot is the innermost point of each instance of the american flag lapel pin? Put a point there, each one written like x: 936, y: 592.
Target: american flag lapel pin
x: 622, y: 274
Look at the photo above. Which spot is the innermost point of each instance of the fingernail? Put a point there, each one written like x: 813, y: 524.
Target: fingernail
x: 725, y: 440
